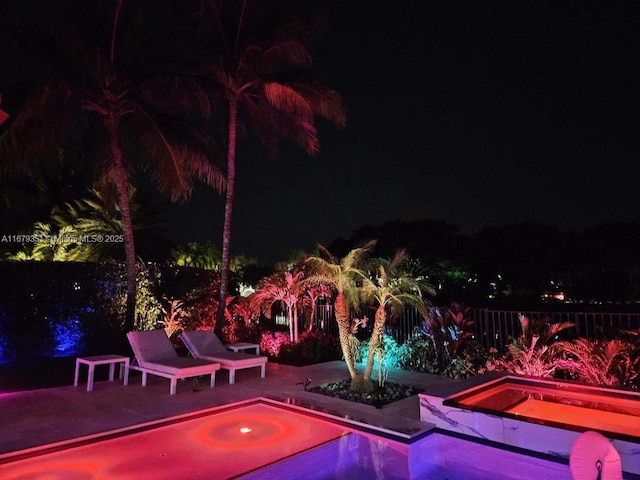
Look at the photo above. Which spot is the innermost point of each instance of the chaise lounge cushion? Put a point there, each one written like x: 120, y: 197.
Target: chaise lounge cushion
x: 206, y: 345
x: 154, y: 351
x: 205, y: 342
x: 181, y: 366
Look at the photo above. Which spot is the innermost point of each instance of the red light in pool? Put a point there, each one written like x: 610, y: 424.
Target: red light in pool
x: 245, y: 430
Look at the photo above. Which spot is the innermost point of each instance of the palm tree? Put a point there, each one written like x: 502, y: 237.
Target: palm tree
x: 313, y: 293
x: 392, y: 289
x: 113, y: 101
x: 259, y: 79
x: 344, y: 277
x: 285, y: 288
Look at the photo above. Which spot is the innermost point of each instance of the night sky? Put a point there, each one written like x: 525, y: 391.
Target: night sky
x: 474, y: 113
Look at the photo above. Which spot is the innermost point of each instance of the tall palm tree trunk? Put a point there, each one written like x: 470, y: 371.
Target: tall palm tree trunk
x: 374, y: 341
x: 228, y: 213
x: 111, y: 123
x: 342, y: 317
x: 296, y: 337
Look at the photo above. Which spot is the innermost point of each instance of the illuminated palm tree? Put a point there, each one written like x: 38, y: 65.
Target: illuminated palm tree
x: 285, y: 288
x: 108, y: 104
x: 391, y: 290
x: 262, y: 81
x: 345, y: 278
x: 313, y: 293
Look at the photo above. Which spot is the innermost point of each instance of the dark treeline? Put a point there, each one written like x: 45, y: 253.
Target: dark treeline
x: 514, y: 265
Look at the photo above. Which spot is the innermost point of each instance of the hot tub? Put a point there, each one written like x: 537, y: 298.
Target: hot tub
x: 544, y: 416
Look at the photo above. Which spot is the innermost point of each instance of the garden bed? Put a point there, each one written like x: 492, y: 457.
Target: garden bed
x: 389, y: 393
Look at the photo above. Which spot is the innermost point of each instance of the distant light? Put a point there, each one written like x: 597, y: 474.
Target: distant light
x: 560, y: 296
x: 245, y: 430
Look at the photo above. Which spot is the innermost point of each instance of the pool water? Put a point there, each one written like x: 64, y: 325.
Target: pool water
x: 437, y: 456
x: 266, y: 441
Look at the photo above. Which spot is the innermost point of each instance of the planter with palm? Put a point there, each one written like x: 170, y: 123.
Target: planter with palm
x: 391, y: 290
x: 344, y: 277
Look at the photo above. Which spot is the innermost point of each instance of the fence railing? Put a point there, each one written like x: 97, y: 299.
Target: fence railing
x: 492, y: 327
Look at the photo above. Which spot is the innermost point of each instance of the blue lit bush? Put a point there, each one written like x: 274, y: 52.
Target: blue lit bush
x: 66, y: 309
x: 68, y: 336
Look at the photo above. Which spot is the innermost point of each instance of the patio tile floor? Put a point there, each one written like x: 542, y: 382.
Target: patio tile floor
x: 43, y: 416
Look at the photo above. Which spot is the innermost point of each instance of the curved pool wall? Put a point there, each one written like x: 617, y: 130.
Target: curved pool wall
x: 543, y: 416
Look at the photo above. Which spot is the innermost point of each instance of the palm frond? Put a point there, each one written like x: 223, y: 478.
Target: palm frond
x: 324, y: 101
x: 287, y: 100
x: 154, y: 153
x: 283, y: 55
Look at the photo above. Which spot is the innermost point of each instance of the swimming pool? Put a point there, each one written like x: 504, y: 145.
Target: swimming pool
x: 436, y: 456
x: 262, y: 439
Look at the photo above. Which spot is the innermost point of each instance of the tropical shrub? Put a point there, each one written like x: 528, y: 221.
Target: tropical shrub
x: 603, y: 362
x: 537, y: 352
x: 443, y: 345
x: 388, y: 354
x: 470, y: 361
x: 272, y: 342
x: 243, y: 325
x: 421, y: 354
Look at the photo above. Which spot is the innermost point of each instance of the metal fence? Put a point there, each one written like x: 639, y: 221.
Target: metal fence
x: 401, y: 328
x: 492, y: 327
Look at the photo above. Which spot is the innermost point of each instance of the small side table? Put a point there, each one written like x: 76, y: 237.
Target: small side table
x: 241, y: 346
x: 110, y: 360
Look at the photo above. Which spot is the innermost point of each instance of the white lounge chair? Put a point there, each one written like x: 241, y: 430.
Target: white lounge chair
x: 205, y: 345
x: 155, y: 355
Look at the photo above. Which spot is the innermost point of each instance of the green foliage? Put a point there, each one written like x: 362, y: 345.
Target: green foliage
x: 470, y: 361
x: 422, y: 355
x: 419, y: 355
x: 206, y: 256
x: 381, y: 395
x: 90, y: 230
x: 388, y: 355
x: 149, y: 312
x: 441, y: 344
